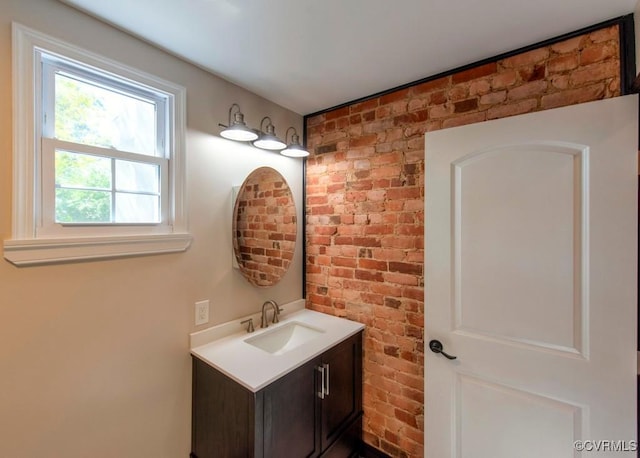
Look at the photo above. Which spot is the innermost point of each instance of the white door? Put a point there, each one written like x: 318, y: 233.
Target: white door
x: 530, y: 281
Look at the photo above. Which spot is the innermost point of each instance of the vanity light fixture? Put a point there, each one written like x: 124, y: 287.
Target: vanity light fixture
x: 238, y: 130
x: 268, y: 139
x: 294, y: 149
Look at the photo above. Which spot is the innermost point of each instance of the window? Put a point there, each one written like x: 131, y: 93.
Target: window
x: 98, y: 156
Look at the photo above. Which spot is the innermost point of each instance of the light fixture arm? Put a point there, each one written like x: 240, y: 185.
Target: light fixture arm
x: 231, y: 110
x: 295, y: 138
x: 269, y: 127
x: 230, y: 113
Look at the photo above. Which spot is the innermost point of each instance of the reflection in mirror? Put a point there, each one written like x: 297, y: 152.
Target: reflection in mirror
x: 264, y: 227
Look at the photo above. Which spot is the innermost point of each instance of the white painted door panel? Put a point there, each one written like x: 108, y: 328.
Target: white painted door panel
x: 530, y: 280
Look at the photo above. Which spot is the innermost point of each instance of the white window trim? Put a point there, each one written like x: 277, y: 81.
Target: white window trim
x: 24, y: 248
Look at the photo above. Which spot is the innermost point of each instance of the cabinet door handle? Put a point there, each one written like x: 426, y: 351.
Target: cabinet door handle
x: 321, y: 392
x: 326, y: 389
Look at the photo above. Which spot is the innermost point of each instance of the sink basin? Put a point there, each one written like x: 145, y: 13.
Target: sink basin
x: 284, y: 338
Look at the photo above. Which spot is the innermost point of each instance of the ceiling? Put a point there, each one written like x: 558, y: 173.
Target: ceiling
x: 308, y: 55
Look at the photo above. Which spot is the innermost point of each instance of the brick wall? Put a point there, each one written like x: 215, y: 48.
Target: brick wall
x: 365, y: 207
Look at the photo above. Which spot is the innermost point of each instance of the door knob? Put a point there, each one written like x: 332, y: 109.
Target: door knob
x: 436, y: 347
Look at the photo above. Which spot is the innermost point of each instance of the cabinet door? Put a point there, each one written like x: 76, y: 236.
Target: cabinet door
x: 223, y: 416
x: 342, y: 406
x: 291, y: 413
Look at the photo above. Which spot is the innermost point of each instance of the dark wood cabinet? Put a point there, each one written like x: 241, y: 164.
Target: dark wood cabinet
x: 313, y: 411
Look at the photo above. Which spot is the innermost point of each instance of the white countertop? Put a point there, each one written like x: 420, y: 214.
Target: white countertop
x: 224, y: 348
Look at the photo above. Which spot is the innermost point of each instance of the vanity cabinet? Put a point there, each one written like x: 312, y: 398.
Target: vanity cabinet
x: 313, y: 411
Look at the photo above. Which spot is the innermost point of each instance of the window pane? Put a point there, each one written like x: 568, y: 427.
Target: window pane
x: 81, y: 206
x: 74, y: 170
x: 92, y: 115
x: 137, y: 177
x: 137, y: 208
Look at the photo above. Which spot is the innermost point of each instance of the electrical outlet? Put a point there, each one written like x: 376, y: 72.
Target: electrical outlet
x: 202, y: 312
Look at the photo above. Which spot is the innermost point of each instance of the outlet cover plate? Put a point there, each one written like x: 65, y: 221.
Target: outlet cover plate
x: 202, y: 312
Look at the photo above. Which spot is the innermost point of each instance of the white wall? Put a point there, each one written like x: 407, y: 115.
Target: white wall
x: 94, y: 358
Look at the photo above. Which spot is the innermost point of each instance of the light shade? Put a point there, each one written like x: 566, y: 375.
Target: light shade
x: 294, y: 149
x: 268, y: 139
x: 239, y: 131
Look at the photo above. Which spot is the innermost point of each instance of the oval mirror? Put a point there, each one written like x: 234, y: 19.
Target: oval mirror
x: 264, y: 227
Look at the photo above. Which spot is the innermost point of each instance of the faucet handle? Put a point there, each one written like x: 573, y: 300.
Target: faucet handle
x: 276, y: 313
x: 250, y: 328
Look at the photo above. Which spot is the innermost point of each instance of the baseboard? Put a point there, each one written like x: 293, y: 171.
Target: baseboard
x: 368, y: 451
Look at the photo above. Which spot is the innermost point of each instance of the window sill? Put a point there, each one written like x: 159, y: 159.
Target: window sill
x: 32, y: 252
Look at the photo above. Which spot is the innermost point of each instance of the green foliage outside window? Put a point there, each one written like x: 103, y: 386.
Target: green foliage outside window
x: 80, y: 177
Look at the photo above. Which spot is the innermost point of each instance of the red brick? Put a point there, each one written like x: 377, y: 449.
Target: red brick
x: 465, y: 105
x: 394, y: 157
x: 527, y: 58
x: 479, y: 87
x: 595, y: 72
x: 440, y: 111
x: 410, y: 229
x: 567, y: 46
x: 534, y: 73
x: 563, y: 63
x: 463, y: 120
x: 410, y: 118
x: 373, y: 264
x: 317, y: 200
x: 341, y: 272
x: 404, y: 193
x: 387, y: 289
x: 433, y: 85
x: 493, y: 98
x: 343, y: 122
x: 369, y: 116
x: 366, y: 242
x: 417, y: 104
x: 325, y: 230
x: 401, y: 279
x: 597, y: 53
x: 394, y: 96
x: 609, y: 33
x: 369, y: 275
x: 512, y: 109
x: 319, y: 240
x: 527, y: 90
x: 344, y: 262
x: 459, y: 92
x: 504, y: 79
x: 386, y: 172
x: 367, y: 105
x: 475, y: 72
x: 573, y: 96
x: 437, y: 98
x: 406, y: 268
x: 337, y: 113
x: 314, y: 121
x: 378, y: 229
x: 560, y: 81
x: 322, y: 210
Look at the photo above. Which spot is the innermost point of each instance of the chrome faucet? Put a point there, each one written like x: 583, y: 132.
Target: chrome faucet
x: 264, y: 323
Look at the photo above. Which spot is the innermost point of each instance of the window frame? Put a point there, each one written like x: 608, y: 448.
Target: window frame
x: 32, y: 241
